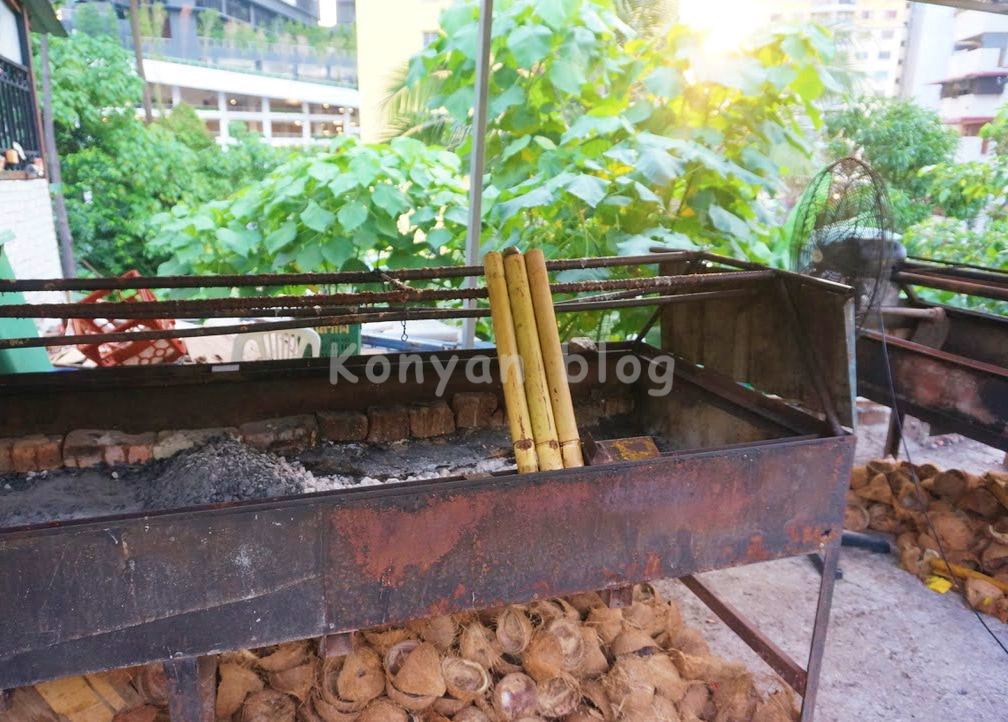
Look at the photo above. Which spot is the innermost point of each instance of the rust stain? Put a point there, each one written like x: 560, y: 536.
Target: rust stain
x: 653, y: 567
x: 460, y: 591
x: 755, y: 550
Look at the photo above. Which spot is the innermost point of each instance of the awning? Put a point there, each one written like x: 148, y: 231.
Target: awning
x: 42, y: 18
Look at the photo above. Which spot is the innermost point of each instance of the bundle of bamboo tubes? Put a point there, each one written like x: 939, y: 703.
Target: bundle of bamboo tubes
x: 533, y: 372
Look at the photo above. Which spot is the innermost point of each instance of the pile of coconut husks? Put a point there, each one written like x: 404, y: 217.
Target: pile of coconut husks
x: 571, y: 659
x: 968, y: 514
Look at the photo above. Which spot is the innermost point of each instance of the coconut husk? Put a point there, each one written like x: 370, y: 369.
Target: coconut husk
x: 470, y: 714
x: 594, y: 694
x: 695, y: 701
x: 877, y: 489
x: 306, y: 713
x: 559, y: 696
x: 328, y: 712
x: 236, y: 683
x: 464, y: 679
x: 242, y: 657
x: 296, y: 681
x: 646, y: 592
x: 912, y: 560
x: 629, y: 684
x: 594, y: 662
x: 633, y: 641
x: 439, y: 631
x: 607, y: 622
x: 351, y: 682
x: 432, y: 715
x: 853, y: 498
x: 912, y: 500
x: 449, y: 706
x: 998, y: 531
x: 995, y: 557
x: 415, y: 670
x: 858, y: 477
x: 515, y: 696
x: 899, y: 481
x: 880, y: 466
x: 382, y: 639
x: 954, y: 530
x: 152, y: 684
x: 982, y: 503
x: 545, y: 611
x: 926, y: 471
x: 648, y: 617
x: 691, y: 641
x: 706, y: 669
x: 584, y: 602
x: 411, y: 702
x: 268, y: 705
x: 284, y: 656
x: 983, y: 595
x: 143, y: 713
x: 736, y: 699
x: 906, y: 539
x: 667, y: 681
x: 584, y: 713
x: 855, y: 518
x: 568, y: 632
x: 508, y: 663
x: 881, y: 517
x: 673, y: 619
x: 950, y: 484
x: 480, y: 645
x: 514, y: 630
x: 777, y: 707
x: 383, y: 710
x: 543, y: 659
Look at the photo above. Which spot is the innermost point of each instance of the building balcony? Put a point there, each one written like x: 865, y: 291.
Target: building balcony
x: 971, y: 23
x: 975, y: 62
x: 18, y: 119
x: 979, y: 108
x: 336, y: 67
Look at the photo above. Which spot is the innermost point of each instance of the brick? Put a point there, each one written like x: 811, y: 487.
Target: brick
x: 36, y: 453
x: 84, y: 448
x: 388, y: 423
x: 342, y: 425
x: 429, y: 420
x: 288, y: 433
x: 473, y: 409
x: 171, y: 442
x: 498, y: 419
x: 6, y: 462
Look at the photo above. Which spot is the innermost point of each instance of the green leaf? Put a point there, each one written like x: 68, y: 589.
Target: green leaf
x: 240, y: 241
x: 728, y: 222
x: 281, y: 237
x: 352, y: 215
x: 309, y: 258
x: 336, y: 252
x: 438, y: 238
x: 390, y: 199
x: 567, y: 76
x: 538, y: 197
x: 664, y: 81
x: 316, y: 217
x: 515, y: 146
x: 658, y: 166
x: 342, y: 184
x: 808, y: 85
x: 499, y: 102
x: 458, y: 215
x: 588, y: 188
x: 530, y: 44
x: 557, y: 13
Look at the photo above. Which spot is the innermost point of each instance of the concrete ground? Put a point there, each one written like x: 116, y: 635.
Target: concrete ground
x: 895, y: 649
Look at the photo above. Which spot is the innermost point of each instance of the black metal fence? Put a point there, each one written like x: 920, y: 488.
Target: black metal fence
x: 17, y: 108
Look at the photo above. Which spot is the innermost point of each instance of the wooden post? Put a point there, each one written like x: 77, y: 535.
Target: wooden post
x: 511, y: 372
x: 527, y: 336
x: 553, y: 361
x: 192, y: 688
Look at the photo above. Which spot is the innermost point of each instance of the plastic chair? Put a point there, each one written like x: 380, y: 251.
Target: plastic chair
x: 278, y: 344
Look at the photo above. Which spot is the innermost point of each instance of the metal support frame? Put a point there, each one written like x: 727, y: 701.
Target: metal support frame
x: 475, y: 227
x: 192, y: 688
x: 803, y: 681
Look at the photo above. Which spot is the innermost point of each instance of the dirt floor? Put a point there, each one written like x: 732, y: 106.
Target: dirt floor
x: 895, y: 650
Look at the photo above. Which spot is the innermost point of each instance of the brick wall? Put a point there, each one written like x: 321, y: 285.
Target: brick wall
x: 26, y: 210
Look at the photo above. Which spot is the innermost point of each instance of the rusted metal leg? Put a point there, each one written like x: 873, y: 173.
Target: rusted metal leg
x: 789, y: 670
x: 192, y: 688
x: 831, y: 557
x: 335, y: 645
x: 895, y: 436
x: 617, y: 598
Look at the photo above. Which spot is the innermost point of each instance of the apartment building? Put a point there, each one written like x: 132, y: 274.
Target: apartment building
x: 226, y: 59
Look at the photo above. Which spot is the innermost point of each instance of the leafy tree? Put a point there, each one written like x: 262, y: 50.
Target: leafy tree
x: 95, y: 19
x: 899, y: 139
x: 117, y: 172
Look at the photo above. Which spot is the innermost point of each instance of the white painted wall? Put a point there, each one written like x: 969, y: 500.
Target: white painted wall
x: 26, y: 210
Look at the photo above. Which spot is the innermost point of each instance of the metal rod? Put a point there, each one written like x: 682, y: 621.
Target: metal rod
x: 789, y: 670
x: 933, y: 313
x: 474, y: 229
x: 327, y: 304
x: 401, y: 314
x: 831, y: 557
x: 998, y: 293
x: 308, y: 279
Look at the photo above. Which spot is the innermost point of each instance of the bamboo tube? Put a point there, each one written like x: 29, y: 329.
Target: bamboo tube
x: 536, y: 391
x: 947, y: 570
x: 507, y: 355
x: 553, y: 361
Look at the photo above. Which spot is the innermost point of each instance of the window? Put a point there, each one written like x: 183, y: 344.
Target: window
x: 881, y: 75
x: 884, y: 55
x: 891, y: 14
x: 10, y: 34
x: 866, y: 14
x: 888, y: 34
